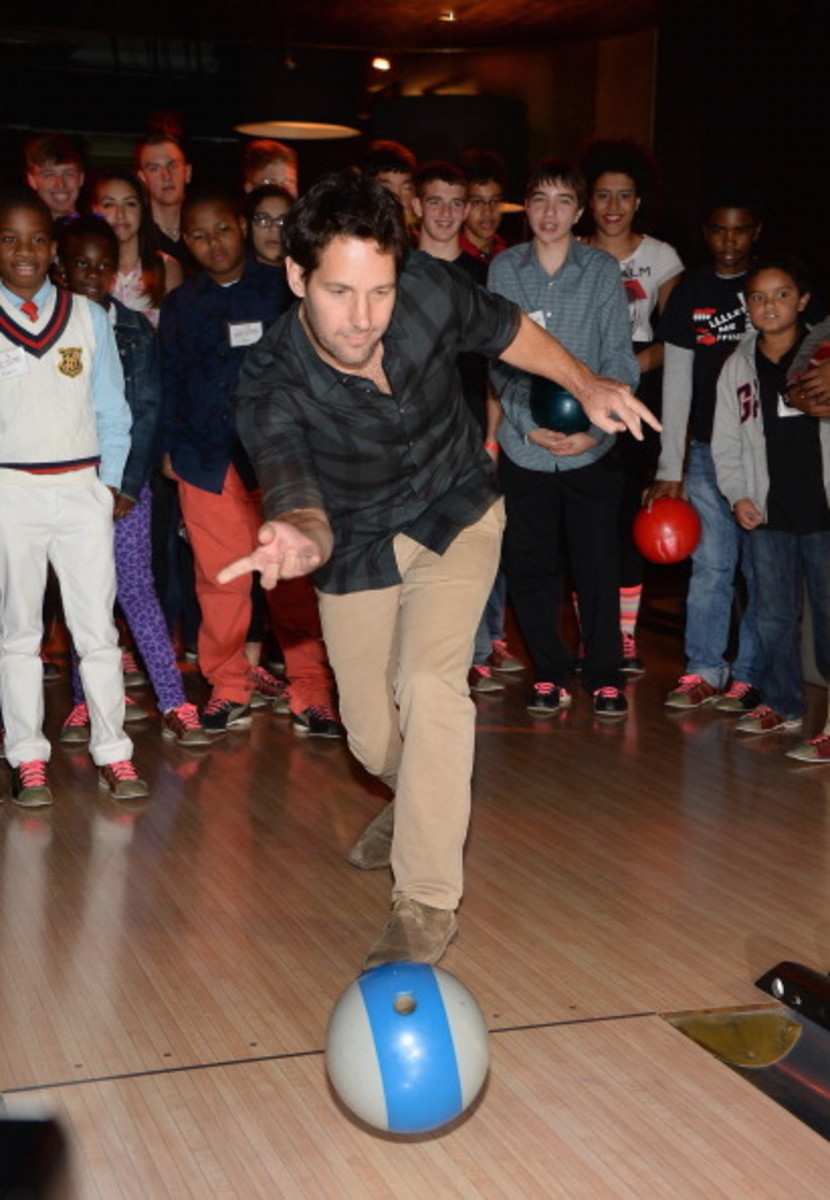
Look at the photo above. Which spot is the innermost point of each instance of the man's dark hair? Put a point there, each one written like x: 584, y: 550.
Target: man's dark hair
x: 343, y: 204
x: 733, y: 195
x: 45, y: 149
x: 787, y: 264
x: 386, y: 156
x: 87, y: 226
x: 24, y: 197
x: 266, y: 191
x: 480, y: 166
x: 619, y: 156
x: 222, y: 197
x: 442, y: 172
x: 557, y: 170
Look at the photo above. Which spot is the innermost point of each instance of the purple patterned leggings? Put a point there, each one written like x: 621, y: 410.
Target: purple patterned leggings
x: 136, y: 593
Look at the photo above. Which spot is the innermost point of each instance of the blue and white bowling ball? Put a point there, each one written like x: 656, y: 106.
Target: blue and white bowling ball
x: 407, y: 1048
x: 555, y: 408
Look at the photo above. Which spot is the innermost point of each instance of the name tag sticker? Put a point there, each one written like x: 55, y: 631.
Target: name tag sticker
x: 13, y: 362
x: 785, y: 409
x: 538, y: 318
x: 244, y: 333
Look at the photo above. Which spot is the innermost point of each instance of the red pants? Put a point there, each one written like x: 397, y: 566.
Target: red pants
x: 221, y: 529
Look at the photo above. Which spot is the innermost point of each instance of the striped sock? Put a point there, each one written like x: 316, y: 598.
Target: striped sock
x: 630, y: 608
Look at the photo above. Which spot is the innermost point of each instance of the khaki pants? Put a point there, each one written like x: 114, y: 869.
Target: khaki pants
x: 401, y: 656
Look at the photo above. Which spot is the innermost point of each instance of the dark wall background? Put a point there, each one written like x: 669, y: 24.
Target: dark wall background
x: 742, y: 101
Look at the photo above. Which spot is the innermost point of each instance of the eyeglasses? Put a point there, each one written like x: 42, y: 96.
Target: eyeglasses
x: 264, y: 221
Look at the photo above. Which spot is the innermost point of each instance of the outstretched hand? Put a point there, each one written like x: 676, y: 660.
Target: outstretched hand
x: 284, y: 552
x: 612, y: 406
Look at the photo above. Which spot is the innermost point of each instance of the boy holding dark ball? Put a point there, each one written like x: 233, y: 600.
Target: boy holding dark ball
x: 563, y: 486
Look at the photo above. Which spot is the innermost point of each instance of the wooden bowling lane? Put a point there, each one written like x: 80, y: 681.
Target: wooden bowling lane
x: 168, y: 973
x: 606, y: 1110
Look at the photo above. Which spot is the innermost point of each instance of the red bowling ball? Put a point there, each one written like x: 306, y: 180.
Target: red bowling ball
x: 668, y: 532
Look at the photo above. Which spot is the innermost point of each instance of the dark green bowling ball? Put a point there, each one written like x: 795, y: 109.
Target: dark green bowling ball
x: 554, y: 408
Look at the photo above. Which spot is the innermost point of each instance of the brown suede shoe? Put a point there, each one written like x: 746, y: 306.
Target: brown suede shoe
x: 372, y: 848
x: 416, y: 933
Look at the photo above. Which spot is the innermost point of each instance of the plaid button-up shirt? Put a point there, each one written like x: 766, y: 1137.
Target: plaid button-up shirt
x: 410, y: 462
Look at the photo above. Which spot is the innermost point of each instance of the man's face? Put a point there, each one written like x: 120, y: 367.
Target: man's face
x: 442, y: 209
x: 552, y: 211
x: 347, y: 301
x: 58, y: 185
x: 26, y: 250
x: 730, y: 234
x: 402, y: 185
x: 277, y: 171
x: 215, y: 236
x: 484, y: 216
x: 89, y: 267
x: 164, y: 172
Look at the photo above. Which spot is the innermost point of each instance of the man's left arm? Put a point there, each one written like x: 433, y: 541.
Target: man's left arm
x: 609, y: 405
x: 112, y: 413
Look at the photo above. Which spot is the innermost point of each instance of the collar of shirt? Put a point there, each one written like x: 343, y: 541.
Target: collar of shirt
x: 41, y: 297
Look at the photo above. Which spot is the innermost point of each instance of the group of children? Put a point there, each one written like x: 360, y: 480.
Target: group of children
x: 94, y: 401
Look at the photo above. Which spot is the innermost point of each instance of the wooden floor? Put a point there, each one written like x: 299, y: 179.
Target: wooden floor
x: 167, y: 976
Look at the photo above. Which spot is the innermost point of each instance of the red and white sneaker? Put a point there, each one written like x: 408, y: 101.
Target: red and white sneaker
x: 501, y: 659
x: 121, y: 780
x: 816, y: 750
x: 134, y: 677
x: 76, y: 727
x: 183, y: 725
x: 764, y: 719
x: 268, y: 690
x: 30, y: 787
x: 692, y: 691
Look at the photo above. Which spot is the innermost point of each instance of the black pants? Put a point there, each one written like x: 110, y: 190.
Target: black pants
x: 580, y: 507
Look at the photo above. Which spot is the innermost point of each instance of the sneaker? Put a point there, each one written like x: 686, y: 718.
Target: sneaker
x: 133, y: 712
x: 415, y: 933
x: 547, y: 698
x: 76, y: 726
x: 481, y: 679
x: 318, y: 720
x: 134, y: 677
x: 30, y: 788
x: 738, y: 698
x: 610, y: 702
x: 632, y: 664
x: 121, y: 780
x: 817, y: 750
x: 692, y: 691
x: 182, y: 725
x: 764, y: 719
x: 268, y: 690
x: 220, y: 715
x: 501, y: 659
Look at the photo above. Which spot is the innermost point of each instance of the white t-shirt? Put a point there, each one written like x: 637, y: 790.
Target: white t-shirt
x: 643, y: 274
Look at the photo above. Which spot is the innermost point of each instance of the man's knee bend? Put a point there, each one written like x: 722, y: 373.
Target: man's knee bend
x: 379, y: 756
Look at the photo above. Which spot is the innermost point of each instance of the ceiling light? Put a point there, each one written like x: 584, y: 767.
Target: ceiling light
x: 297, y: 131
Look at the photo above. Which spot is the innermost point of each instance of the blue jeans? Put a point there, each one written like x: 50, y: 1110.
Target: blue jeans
x: 782, y: 562
x: 722, y: 548
x: 491, y: 626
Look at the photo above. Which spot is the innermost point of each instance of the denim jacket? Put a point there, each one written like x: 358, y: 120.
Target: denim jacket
x: 138, y: 347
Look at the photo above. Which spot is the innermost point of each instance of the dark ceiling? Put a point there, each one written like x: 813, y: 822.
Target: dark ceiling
x: 358, y: 24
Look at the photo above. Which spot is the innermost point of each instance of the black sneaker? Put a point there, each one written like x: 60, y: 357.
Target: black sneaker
x: 610, y: 702
x: 318, y: 721
x: 547, y: 698
x: 739, y: 698
x: 220, y: 715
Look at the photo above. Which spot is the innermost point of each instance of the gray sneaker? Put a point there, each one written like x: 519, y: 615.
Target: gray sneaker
x: 416, y: 932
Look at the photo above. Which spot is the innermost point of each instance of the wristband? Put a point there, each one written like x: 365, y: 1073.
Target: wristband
x: 491, y: 445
